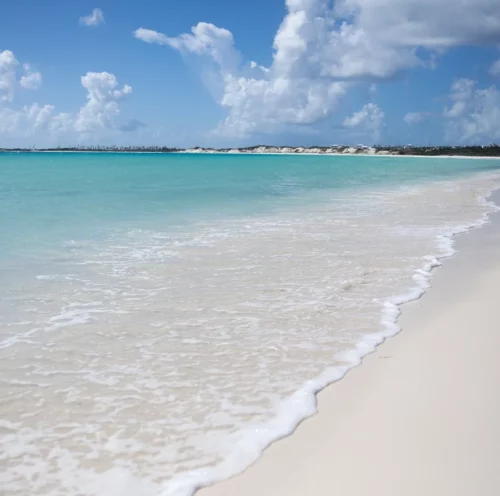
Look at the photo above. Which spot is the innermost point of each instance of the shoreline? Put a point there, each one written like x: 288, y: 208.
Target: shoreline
x: 329, y: 153
x: 470, y: 157
x: 460, y: 157
x: 299, y: 447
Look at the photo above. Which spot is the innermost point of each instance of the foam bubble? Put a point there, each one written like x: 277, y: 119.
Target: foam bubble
x: 46, y: 278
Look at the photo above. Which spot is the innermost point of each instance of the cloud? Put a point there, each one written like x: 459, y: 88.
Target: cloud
x: 417, y: 23
x: 30, y: 117
x: 25, y: 121
x: 495, y: 69
x: 474, y: 116
x: 97, y: 117
x: 8, y: 77
x: 31, y: 80
x: 254, y: 65
x: 8, y: 68
x: 461, y: 93
x: 150, y: 36
x: 321, y: 50
x: 265, y: 100
x: 204, y: 39
x: 267, y: 105
x: 61, y: 123
x: 98, y: 114
x: 39, y: 116
x: 316, y: 38
x: 102, y: 104
x: 95, y: 18
x: 369, y: 120
x: 413, y: 118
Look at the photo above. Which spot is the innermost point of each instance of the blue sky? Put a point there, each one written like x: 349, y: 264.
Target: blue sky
x: 221, y: 73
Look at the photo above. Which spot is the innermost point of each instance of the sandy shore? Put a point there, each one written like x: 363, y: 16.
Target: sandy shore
x: 421, y: 415
x: 291, y: 154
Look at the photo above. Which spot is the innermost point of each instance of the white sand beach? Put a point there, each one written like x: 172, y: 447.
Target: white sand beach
x: 419, y: 416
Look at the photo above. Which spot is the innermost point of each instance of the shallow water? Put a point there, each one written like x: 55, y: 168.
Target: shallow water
x: 163, y: 318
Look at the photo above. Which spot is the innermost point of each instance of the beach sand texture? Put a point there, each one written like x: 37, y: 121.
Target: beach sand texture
x: 421, y: 415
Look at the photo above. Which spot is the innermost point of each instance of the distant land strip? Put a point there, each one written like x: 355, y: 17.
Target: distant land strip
x: 467, y: 151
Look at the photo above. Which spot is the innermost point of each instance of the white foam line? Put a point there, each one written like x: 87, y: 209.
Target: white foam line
x: 306, y: 154
x: 253, y: 440
x: 185, y: 152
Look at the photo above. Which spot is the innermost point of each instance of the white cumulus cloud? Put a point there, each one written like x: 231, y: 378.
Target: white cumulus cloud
x: 254, y: 65
x: 25, y: 121
x: 150, y: 36
x: 61, y: 123
x: 95, y: 18
x: 368, y: 119
x: 103, y: 97
x: 262, y: 101
x: 495, y: 69
x: 39, y: 116
x: 204, y: 39
x: 461, y: 93
x: 97, y: 115
x: 8, y: 69
x: 474, y: 116
x: 31, y: 80
x: 321, y: 48
x: 413, y: 118
x: 265, y: 105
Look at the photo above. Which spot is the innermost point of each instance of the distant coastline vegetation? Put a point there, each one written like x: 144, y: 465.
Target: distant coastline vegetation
x: 492, y: 150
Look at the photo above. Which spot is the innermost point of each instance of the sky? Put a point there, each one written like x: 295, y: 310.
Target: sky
x: 221, y: 73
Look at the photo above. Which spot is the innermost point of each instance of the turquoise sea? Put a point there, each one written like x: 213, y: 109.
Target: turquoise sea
x: 163, y: 318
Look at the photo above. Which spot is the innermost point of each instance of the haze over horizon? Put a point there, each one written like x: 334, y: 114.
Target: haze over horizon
x: 298, y: 72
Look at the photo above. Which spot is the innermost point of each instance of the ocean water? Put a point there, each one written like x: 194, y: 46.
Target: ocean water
x: 163, y: 318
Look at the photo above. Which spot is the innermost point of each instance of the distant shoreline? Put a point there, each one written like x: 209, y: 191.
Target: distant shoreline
x: 490, y: 151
